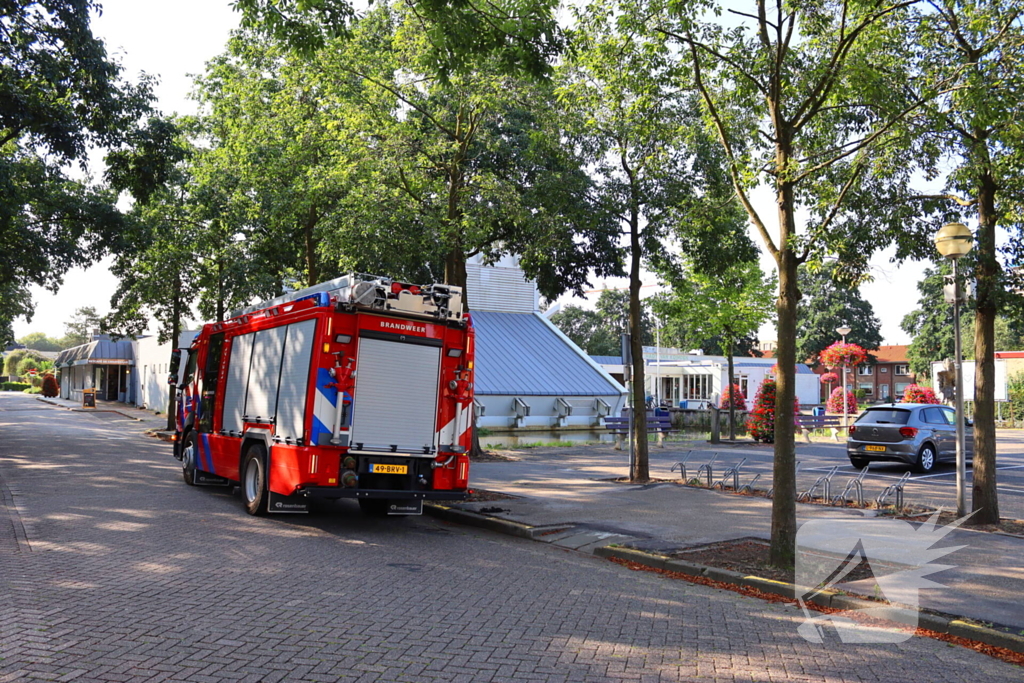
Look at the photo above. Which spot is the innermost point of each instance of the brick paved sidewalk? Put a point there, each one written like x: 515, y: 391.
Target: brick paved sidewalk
x: 569, y: 485
x: 126, y: 574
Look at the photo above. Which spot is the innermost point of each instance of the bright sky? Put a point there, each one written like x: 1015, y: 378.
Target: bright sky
x: 174, y: 40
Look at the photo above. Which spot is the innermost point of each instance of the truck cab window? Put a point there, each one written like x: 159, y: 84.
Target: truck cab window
x: 211, y: 374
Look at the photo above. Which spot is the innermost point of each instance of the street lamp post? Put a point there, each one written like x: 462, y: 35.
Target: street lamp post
x: 954, y: 240
x: 843, y: 331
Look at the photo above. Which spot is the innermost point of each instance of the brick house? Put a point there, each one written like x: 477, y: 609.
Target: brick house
x: 881, y: 381
x: 887, y: 377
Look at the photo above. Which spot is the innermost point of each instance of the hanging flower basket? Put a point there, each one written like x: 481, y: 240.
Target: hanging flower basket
x: 840, y: 354
x: 829, y: 378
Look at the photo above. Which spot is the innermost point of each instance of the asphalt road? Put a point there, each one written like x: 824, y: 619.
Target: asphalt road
x: 112, y: 569
x: 937, y: 489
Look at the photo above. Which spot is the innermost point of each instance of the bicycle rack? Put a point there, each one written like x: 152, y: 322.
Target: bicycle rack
x: 770, y: 493
x: 749, y: 486
x: 856, y: 484
x: 707, y: 468
x: 896, y: 488
x: 824, y: 481
x: 682, y: 466
x: 733, y: 472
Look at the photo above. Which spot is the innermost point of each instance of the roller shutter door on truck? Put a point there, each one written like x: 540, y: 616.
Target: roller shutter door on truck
x: 237, y: 381
x: 396, y: 395
x: 291, y: 396
x: 264, y: 375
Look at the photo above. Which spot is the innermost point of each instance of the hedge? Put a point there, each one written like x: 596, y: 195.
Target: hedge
x: 14, y: 386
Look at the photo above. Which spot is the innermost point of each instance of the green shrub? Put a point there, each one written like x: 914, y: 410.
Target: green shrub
x: 15, y: 386
x: 33, y: 390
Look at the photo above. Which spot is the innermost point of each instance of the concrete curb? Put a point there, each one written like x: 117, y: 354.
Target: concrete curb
x: 89, y: 410
x: 947, y: 624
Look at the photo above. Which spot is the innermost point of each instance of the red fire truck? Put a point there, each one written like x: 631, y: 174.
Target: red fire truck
x: 360, y: 387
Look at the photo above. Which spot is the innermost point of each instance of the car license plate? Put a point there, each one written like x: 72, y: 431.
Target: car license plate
x: 875, y: 449
x: 381, y: 468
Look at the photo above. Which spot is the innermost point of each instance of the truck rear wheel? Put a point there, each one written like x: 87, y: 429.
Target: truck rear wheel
x: 189, y: 453
x: 254, y: 479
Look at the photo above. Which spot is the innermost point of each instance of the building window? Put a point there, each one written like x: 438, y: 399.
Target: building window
x: 902, y: 370
x: 883, y: 369
x: 865, y: 370
x: 868, y: 388
x: 696, y: 387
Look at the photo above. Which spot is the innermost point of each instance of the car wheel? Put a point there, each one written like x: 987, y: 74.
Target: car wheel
x: 189, y: 452
x: 254, y: 480
x: 859, y: 463
x: 925, y: 459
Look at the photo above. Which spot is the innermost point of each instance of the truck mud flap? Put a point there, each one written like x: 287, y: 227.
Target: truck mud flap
x: 405, y: 507
x: 206, y: 479
x: 287, y: 505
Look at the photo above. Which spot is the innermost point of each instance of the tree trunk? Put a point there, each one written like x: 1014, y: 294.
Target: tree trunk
x: 984, y: 498
x: 732, y: 381
x: 640, y: 472
x: 783, y: 541
x: 175, y: 335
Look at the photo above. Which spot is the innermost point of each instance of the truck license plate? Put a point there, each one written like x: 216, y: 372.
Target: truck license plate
x: 875, y: 449
x: 381, y: 468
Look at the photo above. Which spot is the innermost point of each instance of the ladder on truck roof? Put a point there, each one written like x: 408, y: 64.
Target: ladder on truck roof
x: 373, y: 292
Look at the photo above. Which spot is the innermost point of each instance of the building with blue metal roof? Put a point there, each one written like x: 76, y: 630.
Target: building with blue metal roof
x: 101, y: 364
x: 528, y: 374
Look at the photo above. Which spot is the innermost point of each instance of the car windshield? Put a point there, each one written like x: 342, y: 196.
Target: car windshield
x: 885, y: 416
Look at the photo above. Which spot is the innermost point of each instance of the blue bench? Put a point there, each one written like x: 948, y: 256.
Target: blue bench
x: 656, y: 424
x: 809, y: 423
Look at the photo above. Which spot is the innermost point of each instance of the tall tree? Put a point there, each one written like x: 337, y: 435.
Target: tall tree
x: 39, y: 341
x: 730, y: 304
x: 805, y: 98
x: 827, y: 302
x: 79, y: 329
x: 59, y: 95
x: 599, y: 332
x: 521, y: 36
x: 656, y: 175
x: 979, y: 47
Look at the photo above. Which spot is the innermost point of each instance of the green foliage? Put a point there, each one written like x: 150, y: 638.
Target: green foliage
x: 15, y: 359
x: 15, y: 386
x: 60, y: 94
x: 40, y: 342
x: 344, y: 159
x: 80, y: 328
x: 599, y: 332
x: 34, y: 390
x: 33, y: 361
x: 828, y: 302
x: 521, y: 36
x: 730, y: 304
x: 931, y: 324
